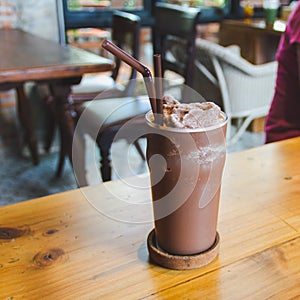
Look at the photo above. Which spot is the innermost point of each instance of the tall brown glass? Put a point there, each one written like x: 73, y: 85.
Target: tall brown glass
x: 186, y: 167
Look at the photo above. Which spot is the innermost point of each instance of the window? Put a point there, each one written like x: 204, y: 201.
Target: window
x: 74, y: 14
x: 199, y: 3
x: 92, y: 5
x: 98, y: 13
x: 212, y: 10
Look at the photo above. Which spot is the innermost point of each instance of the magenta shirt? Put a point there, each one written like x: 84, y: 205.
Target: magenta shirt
x: 283, y: 120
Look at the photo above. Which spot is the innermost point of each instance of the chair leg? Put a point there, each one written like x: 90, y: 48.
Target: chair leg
x: 24, y: 112
x: 65, y: 116
x: 105, y: 161
x: 104, y: 142
x: 62, y: 155
x: 50, y: 126
x: 139, y: 149
x: 50, y: 131
x: 241, y: 130
x: 78, y: 159
x: 42, y: 92
x: 61, y: 163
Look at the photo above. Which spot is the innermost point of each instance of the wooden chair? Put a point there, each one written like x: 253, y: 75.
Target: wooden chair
x: 174, y: 34
x: 106, y: 121
x: 125, y: 31
x: 125, y: 34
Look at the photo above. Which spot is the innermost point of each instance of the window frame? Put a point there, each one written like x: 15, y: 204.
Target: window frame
x: 102, y: 18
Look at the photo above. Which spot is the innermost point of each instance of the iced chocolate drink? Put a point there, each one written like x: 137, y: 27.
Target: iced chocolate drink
x: 186, y: 155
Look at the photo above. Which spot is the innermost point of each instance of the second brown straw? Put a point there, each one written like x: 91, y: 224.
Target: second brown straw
x: 158, y: 82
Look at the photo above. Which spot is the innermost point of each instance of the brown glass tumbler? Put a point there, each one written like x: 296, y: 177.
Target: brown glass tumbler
x: 186, y: 167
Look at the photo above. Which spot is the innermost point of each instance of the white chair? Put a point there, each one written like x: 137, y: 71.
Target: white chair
x: 243, y: 90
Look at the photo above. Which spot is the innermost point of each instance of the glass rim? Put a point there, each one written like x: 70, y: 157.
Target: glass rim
x: 182, y: 130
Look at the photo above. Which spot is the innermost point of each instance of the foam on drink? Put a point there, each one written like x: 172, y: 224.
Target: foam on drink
x: 190, y: 115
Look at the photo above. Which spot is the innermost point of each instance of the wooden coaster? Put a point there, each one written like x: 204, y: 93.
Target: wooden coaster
x: 181, y: 262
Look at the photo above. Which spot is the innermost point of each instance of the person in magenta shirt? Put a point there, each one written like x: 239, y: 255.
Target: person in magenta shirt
x: 283, y: 119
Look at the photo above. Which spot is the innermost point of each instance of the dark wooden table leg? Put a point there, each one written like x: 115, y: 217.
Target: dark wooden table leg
x: 25, y: 116
x: 65, y: 116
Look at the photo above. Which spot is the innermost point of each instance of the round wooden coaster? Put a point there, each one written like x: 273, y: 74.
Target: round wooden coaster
x: 181, y: 262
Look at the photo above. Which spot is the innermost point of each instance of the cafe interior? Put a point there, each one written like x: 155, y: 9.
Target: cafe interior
x: 81, y: 89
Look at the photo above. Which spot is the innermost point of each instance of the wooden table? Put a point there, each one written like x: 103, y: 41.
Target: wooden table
x: 258, y: 42
x: 65, y: 246
x: 26, y: 57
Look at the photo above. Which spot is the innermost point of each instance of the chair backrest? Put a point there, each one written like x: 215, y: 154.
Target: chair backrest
x: 245, y: 88
x: 174, y: 34
x: 126, y: 34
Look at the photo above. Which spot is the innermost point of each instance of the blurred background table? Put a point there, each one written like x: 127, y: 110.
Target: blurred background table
x: 26, y: 57
x: 90, y: 243
x: 258, y: 42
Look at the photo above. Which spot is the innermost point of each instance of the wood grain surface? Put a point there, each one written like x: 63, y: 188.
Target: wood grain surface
x: 26, y: 57
x: 91, y: 243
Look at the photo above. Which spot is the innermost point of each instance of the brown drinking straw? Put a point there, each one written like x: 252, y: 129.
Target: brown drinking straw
x: 134, y: 63
x: 158, y: 82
